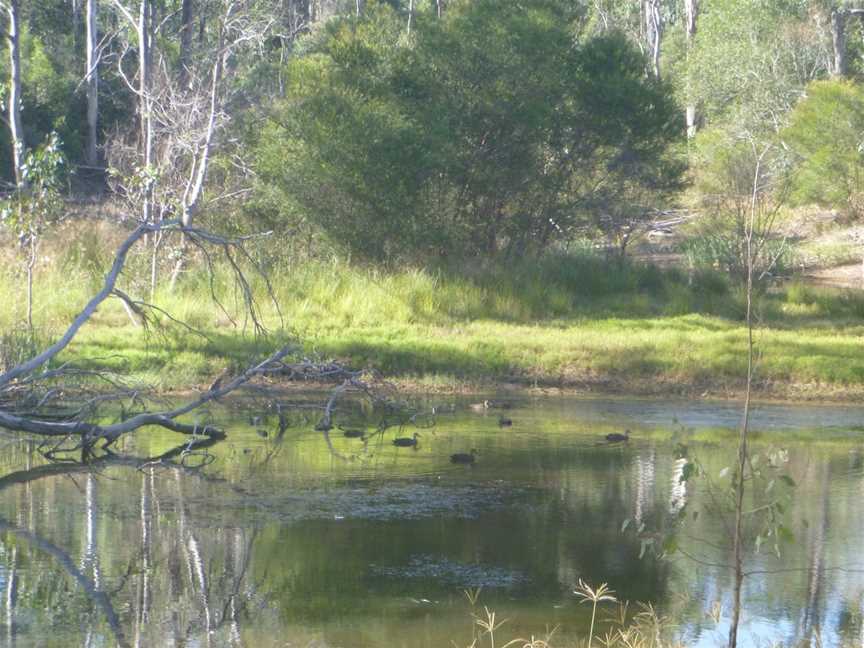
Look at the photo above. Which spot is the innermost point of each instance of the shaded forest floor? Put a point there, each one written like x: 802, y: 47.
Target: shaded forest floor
x: 574, y: 321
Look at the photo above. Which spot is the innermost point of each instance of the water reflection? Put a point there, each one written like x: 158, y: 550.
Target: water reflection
x: 279, y: 542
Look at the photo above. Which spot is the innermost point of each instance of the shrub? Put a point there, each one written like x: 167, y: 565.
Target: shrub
x: 825, y: 131
x: 488, y: 133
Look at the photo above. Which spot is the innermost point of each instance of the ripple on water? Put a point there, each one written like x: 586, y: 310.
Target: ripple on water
x: 400, y: 501
x: 452, y: 573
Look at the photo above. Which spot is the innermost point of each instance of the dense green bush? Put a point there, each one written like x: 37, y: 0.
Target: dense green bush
x: 825, y: 131
x: 489, y: 132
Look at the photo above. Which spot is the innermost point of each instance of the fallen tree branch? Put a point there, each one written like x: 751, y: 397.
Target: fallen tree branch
x: 79, y: 321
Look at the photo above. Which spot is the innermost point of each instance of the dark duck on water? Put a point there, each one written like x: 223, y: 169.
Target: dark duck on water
x: 615, y: 437
x: 464, y: 457
x: 404, y: 442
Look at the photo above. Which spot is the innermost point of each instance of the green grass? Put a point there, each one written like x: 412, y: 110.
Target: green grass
x: 576, y: 320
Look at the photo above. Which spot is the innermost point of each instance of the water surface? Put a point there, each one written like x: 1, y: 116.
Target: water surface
x: 293, y: 541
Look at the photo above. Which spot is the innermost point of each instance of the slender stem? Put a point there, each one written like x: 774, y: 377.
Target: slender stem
x: 591, y: 631
x: 31, y: 262
x: 738, y: 549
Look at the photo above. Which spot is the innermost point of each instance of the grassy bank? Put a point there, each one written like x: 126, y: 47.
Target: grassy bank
x: 571, y: 321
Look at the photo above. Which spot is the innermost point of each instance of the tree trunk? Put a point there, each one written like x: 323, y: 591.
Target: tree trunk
x: 691, y: 10
x: 186, y: 28
x: 92, y: 151
x: 76, y: 22
x: 145, y: 105
x: 838, y: 40
x: 16, y: 130
x: 653, y: 33
x: 410, y: 14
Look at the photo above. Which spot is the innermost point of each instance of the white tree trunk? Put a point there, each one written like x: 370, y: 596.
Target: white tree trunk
x: 145, y: 103
x: 16, y: 130
x: 92, y: 151
x: 653, y: 33
x: 410, y: 14
x: 691, y: 11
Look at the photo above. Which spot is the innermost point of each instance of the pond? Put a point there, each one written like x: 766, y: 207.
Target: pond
x: 288, y: 540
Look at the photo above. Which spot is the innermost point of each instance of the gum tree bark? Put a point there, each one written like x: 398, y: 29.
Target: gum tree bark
x: 691, y: 12
x: 92, y: 151
x: 16, y: 131
x: 653, y: 33
x: 142, y: 25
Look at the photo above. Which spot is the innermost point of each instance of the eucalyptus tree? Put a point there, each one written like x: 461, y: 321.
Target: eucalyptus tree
x: 16, y: 129
x: 92, y: 82
x: 653, y: 32
x: 183, y: 107
x: 691, y: 15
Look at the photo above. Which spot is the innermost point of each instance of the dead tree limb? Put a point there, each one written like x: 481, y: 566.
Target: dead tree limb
x: 79, y: 321
x: 88, y: 432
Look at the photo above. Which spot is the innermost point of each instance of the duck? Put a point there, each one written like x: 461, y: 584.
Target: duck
x: 404, y: 442
x: 480, y: 407
x: 615, y: 437
x: 464, y: 457
x: 503, y: 421
x: 352, y: 433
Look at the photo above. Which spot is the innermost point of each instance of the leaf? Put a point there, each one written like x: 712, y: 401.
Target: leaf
x: 786, y: 479
x: 687, y: 471
x: 625, y: 525
x: 670, y: 545
x: 785, y: 534
x: 724, y: 472
x: 759, y: 541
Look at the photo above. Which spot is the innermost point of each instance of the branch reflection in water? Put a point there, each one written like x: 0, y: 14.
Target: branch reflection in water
x: 172, y: 585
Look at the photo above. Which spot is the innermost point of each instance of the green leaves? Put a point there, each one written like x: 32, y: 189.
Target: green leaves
x: 489, y: 132
x: 31, y: 207
x: 825, y: 132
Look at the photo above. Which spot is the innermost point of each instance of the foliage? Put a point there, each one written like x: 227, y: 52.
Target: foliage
x: 35, y: 204
x: 751, y: 60
x: 736, y: 177
x: 48, y: 103
x: 825, y: 131
x: 489, y: 131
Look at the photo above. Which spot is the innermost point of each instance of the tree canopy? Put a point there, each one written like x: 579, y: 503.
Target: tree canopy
x: 493, y: 130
